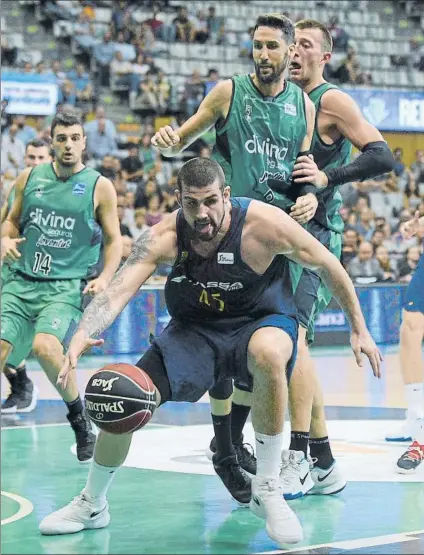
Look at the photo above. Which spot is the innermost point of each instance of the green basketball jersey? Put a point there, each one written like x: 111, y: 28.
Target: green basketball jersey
x: 328, y: 156
x: 62, y: 236
x: 257, y: 144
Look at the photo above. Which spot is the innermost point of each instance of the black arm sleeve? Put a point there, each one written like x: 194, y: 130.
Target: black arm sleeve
x: 300, y: 190
x: 376, y: 159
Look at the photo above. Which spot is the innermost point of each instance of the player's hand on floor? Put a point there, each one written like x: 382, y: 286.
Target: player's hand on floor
x: 95, y: 286
x: 165, y: 138
x: 79, y: 344
x: 411, y: 227
x: 10, y: 249
x: 363, y: 343
x: 304, y: 209
x: 306, y: 171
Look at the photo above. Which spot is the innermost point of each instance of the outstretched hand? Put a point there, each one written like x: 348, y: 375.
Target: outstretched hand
x: 363, y: 344
x: 77, y: 347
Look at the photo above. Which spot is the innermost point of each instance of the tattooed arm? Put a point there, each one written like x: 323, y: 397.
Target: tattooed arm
x: 156, y: 245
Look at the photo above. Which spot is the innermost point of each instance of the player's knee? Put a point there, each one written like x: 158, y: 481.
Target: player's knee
x: 46, y: 347
x: 412, y: 324
x: 269, y: 353
x: 221, y: 390
x: 5, y: 351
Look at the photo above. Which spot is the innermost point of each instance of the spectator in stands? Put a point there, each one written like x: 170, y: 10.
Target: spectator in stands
x: 40, y: 69
x: 399, y: 166
x: 365, y: 225
x: 132, y: 167
x: 144, y: 192
x: 56, y: 70
x: 148, y: 154
x: 365, y: 268
x: 100, y: 114
x: 411, y: 195
x: 397, y: 245
x: 348, y: 70
x: 212, y: 80
x: 68, y: 93
x: 9, y: 53
x: 201, y: 26
x: 170, y: 202
x: 389, y: 184
x: 154, y: 212
x: 155, y: 22
x: 350, y: 246
x: 164, y: 92
x: 12, y: 150
x: 25, y: 132
x: 340, y: 36
x: 417, y: 167
x: 139, y: 226
x: 28, y: 67
x: 83, y: 25
x: 246, y: 44
x: 377, y: 238
x: 144, y: 39
x: 216, y: 27
x: 185, y: 31
x: 148, y: 98
x: 103, y: 53
x: 99, y: 142
x: 119, y: 13
x: 122, y: 204
x: 121, y: 71
x: 194, y: 92
x: 408, y: 265
x: 387, y: 265
x: 83, y: 86
x: 107, y: 167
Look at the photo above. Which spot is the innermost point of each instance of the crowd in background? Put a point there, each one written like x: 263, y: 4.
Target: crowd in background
x: 373, y: 249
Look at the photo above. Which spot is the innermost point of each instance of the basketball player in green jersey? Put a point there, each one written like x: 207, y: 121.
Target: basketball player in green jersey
x: 23, y: 395
x: 339, y: 124
x: 52, y: 239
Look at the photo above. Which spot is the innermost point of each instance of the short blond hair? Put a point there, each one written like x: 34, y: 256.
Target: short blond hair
x: 313, y: 24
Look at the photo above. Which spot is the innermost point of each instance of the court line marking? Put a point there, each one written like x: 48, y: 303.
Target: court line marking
x: 29, y: 426
x: 348, y: 545
x: 25, y: 508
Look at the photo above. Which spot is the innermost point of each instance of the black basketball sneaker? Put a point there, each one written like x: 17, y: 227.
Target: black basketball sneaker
x: 23, y: 393
x: 244, y: 452
x: 234, y: 478
x: 411, y: 459
x: 85, y: 438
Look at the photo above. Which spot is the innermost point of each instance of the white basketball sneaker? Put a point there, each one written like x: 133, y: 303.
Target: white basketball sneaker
x: 82, y: 513
x: 326, y: 481
x: 403, y: 432
x: 267, y: 502
x: 295, y: 477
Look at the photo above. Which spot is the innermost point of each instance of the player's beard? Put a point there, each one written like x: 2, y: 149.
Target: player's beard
x: 215, y: 230
x: 274, y: 75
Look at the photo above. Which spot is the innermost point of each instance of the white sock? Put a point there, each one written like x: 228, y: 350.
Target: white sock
x: 268, y: 454
x: 414, y: 393
x: 98, y: 481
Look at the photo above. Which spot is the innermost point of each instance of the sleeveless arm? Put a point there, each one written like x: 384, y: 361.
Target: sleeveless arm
x: 274, y: 232
x: 156, y: 245
x: 5, y: 207
x: 107, y: 214
x: 376, y: 158
x: 10, y: 228
x: 214, y: 106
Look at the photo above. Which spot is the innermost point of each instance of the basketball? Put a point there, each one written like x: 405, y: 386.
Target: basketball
x: 120, y: 398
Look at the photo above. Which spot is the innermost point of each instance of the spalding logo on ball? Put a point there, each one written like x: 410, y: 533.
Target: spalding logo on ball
x: 120, y: 398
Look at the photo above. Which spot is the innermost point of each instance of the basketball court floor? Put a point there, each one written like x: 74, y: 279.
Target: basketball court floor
x: 166, y: 499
